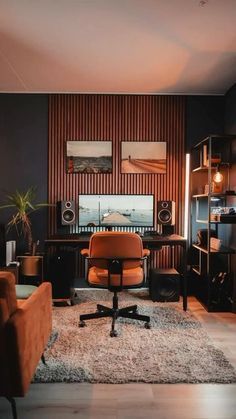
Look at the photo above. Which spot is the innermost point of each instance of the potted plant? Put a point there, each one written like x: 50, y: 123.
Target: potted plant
x: 23, y: 204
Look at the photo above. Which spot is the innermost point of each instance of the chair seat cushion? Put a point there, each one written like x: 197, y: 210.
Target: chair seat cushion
x: 98, y: 276
x: 24, y: 291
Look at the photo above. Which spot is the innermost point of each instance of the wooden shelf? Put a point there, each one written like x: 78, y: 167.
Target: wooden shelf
x: 214, y: 137
x: 212, y: 195
x: 206, y: 168
x: 200, y: 195
x: 200, y: 169
x: 214, y: 222
x: 222, y: 250
x: 196, y: 269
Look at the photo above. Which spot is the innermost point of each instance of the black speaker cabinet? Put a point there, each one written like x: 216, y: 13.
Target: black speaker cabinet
x: 61, y: 271
x: 66, y: 213
x: 164, y: 285
x: 166, y: 213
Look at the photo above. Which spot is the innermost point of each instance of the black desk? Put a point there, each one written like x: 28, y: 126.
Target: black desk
x: 79, y: 241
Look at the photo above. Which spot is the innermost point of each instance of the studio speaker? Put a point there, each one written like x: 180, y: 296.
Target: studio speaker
x: 66, y: 213
x: 164, y: 285
x: 166, y: 213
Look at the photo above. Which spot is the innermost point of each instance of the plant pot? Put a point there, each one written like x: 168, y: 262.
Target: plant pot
x: 31, y: 265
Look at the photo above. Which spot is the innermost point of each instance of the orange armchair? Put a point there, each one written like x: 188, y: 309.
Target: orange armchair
x: 25, y: 326
x: 116, y: 262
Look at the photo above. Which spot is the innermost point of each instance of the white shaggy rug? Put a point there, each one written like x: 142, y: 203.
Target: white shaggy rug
x: 175, y: 350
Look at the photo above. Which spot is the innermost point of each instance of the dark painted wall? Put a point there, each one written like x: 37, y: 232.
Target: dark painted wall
x: 23, y: 152
x: 204, y: 116
x: 230, y: 111
x: 230, y: 128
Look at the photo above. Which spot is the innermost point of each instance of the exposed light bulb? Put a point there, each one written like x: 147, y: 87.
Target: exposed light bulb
x: 218, y: 177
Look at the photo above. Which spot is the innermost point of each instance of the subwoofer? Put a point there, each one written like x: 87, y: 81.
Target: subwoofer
x: 166, y: 213
x: 66, y: 213
x: 164, y: 285
x: 61, y: 271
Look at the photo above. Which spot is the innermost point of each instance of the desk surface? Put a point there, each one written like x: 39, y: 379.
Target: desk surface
x: 173, y: 239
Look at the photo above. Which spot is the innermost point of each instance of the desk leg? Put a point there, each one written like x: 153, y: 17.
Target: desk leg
x: 185, y: 296
x: 172, y: 256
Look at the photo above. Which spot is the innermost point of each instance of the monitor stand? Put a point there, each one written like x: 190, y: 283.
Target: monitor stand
x: 167, y: 230
x: 108, y: 228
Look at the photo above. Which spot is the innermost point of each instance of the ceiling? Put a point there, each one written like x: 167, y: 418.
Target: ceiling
x: 118, y: 46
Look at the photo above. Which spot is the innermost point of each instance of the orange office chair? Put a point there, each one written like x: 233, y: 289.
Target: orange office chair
x: 116, y: 262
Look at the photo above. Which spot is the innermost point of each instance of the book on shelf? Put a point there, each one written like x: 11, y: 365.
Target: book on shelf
x: 215, y: 158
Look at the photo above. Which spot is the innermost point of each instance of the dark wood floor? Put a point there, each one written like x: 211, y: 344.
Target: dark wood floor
x: 136, y: 401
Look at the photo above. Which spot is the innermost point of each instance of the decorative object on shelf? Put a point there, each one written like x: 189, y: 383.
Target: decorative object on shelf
x: 89, y: 156
x: 215, y: 188
x: 223, y: 214
x: 215, y: 243
x: 202, y: 236
x: 206, y: 189
x: 23, y: 205
x: 143, y: 157
x: 221, y: 288
x: 205, y: 157
x: 215, y: 157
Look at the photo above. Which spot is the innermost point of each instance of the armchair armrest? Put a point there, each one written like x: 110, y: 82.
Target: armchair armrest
x: 85, y: 252
x: 146, y: 252
x: 27, y: 333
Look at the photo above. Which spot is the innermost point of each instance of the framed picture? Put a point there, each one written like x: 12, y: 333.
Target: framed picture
x: 143, y: 157
x: 89, y: 156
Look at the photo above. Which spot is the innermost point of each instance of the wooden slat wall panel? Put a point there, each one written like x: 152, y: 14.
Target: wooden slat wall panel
x: 117, y: 118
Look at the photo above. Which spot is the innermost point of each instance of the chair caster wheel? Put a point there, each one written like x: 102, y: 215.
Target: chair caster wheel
x: 113, y: 333
x: 147, y: 325
x: 82, y: 323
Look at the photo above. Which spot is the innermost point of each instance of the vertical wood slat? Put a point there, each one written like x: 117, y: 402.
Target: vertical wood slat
x: 117, y: 118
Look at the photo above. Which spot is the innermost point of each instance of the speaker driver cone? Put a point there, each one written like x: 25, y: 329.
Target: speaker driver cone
x: 168, y: 288
x: 164, y: 216
x: 68, y: 216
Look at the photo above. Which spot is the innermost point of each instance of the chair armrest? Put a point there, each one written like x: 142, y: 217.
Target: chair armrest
x: 84, y: 252
x: 27, y: 333
x: 146, y: 252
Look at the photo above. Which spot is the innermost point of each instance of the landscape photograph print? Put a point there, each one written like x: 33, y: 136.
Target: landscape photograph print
x: 143, y: 157
x: 89, y: 156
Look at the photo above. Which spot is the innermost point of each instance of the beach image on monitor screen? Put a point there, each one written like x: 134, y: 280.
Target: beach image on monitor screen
x: 143, y: 157
x: 116, y: 210
x: 89, y: 156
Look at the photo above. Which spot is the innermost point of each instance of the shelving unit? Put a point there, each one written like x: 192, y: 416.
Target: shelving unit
x: 213, y: 191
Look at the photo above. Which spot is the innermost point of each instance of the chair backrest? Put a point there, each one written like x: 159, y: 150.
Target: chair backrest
x: 115, y: 244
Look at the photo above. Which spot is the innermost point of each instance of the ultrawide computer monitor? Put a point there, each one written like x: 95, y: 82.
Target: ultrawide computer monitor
x: 116, y: 210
